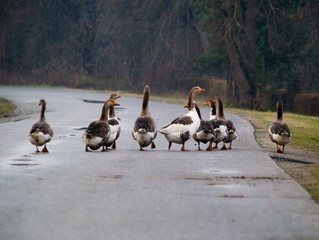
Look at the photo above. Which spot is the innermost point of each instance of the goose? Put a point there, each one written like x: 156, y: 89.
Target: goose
x: 279, y: 131
x: 220, y: 128
x: 183, y: 128
x: 98, y: 132
x: 231, y: 130
x: 205, y: 132
x: 114, y: 123
x: 41, y: 132
x: 145, y: 130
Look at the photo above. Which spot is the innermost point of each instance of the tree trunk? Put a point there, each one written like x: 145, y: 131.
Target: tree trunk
x: 240, y: 19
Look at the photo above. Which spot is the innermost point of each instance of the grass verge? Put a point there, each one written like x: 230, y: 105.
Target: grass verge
x: 6, y: 107
x: 313, y: 185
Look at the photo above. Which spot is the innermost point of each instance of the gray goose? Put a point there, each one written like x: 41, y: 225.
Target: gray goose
x: 219, y: 126
x: 205, y: 133
x: 145, y: 130
x: 183, y: 128
x: 98, y: 132
x: 41, y: 132
x: 231, y: 130
x: 279, y: 131
x: 114, y: 123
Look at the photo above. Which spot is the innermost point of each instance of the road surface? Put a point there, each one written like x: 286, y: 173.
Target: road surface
x: 128, y: 194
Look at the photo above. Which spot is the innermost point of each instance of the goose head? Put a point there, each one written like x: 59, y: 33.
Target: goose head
x: 115, y: 96
x: 192, y: 92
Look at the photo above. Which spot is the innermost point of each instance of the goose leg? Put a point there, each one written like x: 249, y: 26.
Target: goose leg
x: 278, y: 149
x: 198, y: 148
x: 104, y: 148
x: 283, y: 149
x: 114, y: 145
x: 87, y: 149
x: 169, y: 145
x: 141, y: 149
x: 153, y: 145
x: 37, y: 149
x: 183, y: 147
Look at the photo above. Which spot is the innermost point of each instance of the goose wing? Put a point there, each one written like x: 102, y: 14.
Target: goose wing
x: 184, y: 120
x: 41, y: 127
x: 279, y: 128
x: 146, y: 123
x: 113, y: 121
x: 98, y: 129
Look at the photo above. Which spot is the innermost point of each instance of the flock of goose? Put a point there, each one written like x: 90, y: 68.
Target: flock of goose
x: 106, y: 130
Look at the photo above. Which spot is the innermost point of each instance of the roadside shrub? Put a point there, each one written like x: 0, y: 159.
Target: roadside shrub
x: 307, y: 104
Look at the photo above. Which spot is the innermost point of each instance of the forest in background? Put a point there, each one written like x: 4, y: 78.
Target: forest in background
x: 251, y: 52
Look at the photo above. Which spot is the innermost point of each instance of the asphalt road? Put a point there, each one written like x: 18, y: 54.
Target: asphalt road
x: 128, y: 194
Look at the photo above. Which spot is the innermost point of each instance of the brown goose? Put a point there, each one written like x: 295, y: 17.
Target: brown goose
x: 114, y: 123
x: 98, y: 132
x: 145, y: 130
x: 231, y: 130
x: 41, y: 132
x: 183, y: 128
x: 279, y: 131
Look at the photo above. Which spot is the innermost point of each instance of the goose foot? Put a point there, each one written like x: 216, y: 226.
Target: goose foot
x: 105, y: 149
x: 224, y: 147
x: 45, y: 150
x: 210, y: 147
x: 153, y: 145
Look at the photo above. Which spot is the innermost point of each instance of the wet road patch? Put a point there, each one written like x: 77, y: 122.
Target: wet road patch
x: 24, y: 161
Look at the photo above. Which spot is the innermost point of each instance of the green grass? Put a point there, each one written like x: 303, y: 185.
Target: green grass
x: 312, y: 186
x: 6, y: 107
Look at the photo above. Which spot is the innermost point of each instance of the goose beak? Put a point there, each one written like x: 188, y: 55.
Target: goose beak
x: 116, y: 103
x: 201, y: 90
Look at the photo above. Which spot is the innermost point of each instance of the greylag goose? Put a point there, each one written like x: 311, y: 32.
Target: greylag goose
x: 279, y: 131
x: 231, y: 130
x: 205, y: 133
x: 145, y: 130
x: 114, y: 123
x: 98, y: 132
x: 41, y: 132
x: 220, y: 128
x: 183, y: 128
